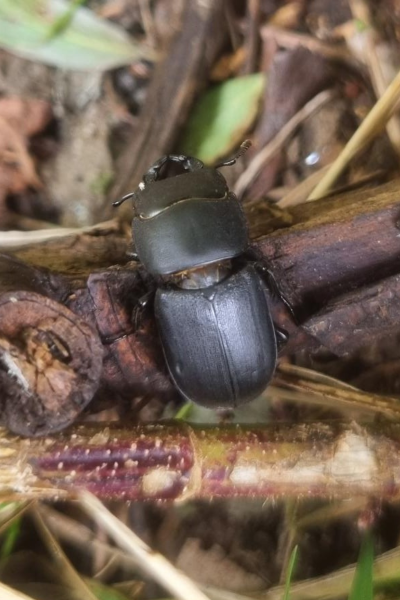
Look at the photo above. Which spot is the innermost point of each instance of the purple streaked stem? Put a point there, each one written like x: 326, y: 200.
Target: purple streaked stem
x: 177, y: 461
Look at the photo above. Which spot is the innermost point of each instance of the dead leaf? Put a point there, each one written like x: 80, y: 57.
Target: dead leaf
x: 16, y: 165
x: 28, y: 116
x: 19, y: 119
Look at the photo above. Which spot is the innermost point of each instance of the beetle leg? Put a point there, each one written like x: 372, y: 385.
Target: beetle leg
x: 140, y: 307
x: 121, y: 200
x: 131, y: 252
x: 244, y: 146
x: 275, y: 290
x: 282, y: 337
x: 145, y: 299
x: 254, y: 256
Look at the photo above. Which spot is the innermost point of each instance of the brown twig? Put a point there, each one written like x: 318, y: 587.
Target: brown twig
x: 261, y: 159
x: 252, y: 40
x: 289, y: 39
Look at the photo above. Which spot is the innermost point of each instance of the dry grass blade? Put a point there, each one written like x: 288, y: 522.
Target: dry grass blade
x: 68, y: 576
x: 299, y: 194
x: 369, y: 128
x: 7, y: 593
x: 12, y: 511
x: 279, y: 140
x: 332, y: 512
x: 153, y: 563
x: 368, y: 49
x: 315, y: 376
x: 337, y: 585
x: 77, y: 534
x: 217, y: 594
x: 15, y: 239
x: 82, y: 537
x: 303, y: 385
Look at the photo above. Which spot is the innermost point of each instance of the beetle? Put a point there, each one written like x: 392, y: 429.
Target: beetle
x: 211, y: 303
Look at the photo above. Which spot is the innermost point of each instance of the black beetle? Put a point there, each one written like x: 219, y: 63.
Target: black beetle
x: 211, y: 306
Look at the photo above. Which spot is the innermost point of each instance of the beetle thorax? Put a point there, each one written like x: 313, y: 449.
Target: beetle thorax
x: 203, y: 277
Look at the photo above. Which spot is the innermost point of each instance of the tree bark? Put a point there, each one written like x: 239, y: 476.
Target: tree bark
x: 78, y: 254
x: 336, y: 265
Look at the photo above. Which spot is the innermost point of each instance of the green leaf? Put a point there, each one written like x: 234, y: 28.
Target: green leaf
x: 65, y: 19
x: 86, y: 42
x: 183, y: 413
x: 289, y: 574
x: 362, y: 586
x: 222, y: 117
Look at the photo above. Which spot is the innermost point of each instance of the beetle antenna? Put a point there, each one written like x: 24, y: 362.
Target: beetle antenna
x: 121, y: 200
x: 244, y: 146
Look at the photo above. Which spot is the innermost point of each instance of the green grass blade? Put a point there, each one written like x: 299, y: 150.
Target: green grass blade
x: 362, y: 586
x: 289, y: 574
x: 10, y: 538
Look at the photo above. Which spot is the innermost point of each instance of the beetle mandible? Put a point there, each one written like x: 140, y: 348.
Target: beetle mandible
x: 211, y: 305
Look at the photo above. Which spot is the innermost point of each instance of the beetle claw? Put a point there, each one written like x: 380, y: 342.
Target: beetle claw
x: 282, y: 337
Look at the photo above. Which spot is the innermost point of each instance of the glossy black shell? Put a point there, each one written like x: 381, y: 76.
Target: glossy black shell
x: 187, y: 221
x: 219, y: 342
